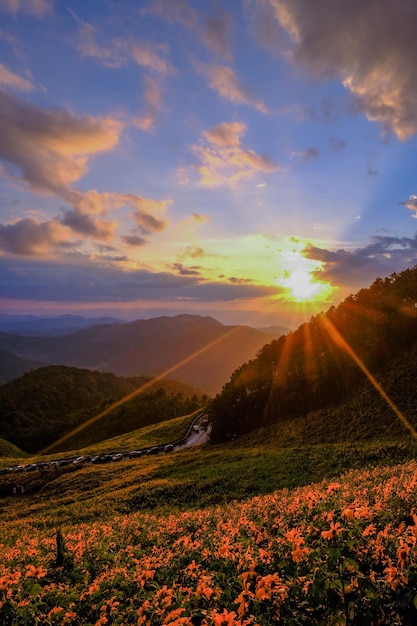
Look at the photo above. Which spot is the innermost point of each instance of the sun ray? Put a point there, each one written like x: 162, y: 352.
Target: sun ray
x: 337, y: 338
x: 140, y: 389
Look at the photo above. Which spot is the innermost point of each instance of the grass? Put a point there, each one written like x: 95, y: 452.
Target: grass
x: 147, y: 436
x: 194, y: 477
x: 9, y: 450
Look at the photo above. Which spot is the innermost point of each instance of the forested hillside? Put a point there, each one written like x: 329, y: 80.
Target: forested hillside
x: 324, y: 361
x: 41, y: 406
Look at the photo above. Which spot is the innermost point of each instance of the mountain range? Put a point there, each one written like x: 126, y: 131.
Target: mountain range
x: 197, y: 350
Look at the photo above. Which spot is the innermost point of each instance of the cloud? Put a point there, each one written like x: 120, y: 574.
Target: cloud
x: 337, y: 145
x: 152, y: 100
x: 84, y: 224
x: 224, y: 161
x: 211, y: 30
x: 307, y: 154
x: 217, y: 34
x: 100, y: 282
x: 226, y: 134
x: 193, y: 252
x: 143, y: 210
x: 29, y: 237
x: 116, y: 52
x: 240, y: 281
x: 350, y: 269
x: 224, y: 81
x: 411, y: 203
x: 194, y: 270
x: 178, y: 11
x: 28, y: 7
x: 88, y: 46
x: 49, y: 149
x: 134, y: 241
x: 148, y: 55
x: 14, y: 81
x: 80, y: 220
x: 370, y: 47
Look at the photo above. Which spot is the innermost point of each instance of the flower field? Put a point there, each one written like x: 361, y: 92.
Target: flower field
x: 341, y: 552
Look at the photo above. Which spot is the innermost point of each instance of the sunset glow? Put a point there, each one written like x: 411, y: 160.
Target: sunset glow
x: 229, y: 159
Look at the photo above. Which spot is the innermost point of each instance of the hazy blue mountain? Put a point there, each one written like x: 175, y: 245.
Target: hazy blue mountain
x: 60, y: 325
x: 198, y: 350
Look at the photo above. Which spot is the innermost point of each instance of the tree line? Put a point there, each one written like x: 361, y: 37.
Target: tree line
x: 322, y: 362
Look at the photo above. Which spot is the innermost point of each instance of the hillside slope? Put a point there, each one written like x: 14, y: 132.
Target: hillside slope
x: 323, y: 363
x: 43, y: 405
x: 198, y: 350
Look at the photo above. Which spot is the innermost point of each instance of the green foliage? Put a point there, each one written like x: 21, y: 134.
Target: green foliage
x: 324, y: 361
x: 41, y: 406
x: 9, y: 450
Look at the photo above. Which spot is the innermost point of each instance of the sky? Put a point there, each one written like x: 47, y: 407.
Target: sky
x: 251, y: 160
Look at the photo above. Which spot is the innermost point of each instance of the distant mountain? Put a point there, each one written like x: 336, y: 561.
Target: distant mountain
x: 13, y: 366
x: 278, y: 331
x: 323, y: 363
x: 43, y: 405
x: 198, y: 350
x: 33, y: 325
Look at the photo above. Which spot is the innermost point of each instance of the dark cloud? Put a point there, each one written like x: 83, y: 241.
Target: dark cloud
x: 217, y: 33
x: 85, y: 224
x: 98, y: 282
x: 360, y: 267
x: 194, y: 270
x: 307, y: 154
x: 134, y: 240
x: 240, y: 281
x: 148, y: 223
x: 371, y: 47
x: 29, y: 237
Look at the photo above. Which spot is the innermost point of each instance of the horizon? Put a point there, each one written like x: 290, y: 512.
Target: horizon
x: 252, y: 162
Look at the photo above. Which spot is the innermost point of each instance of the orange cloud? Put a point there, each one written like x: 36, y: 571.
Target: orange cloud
x: 15, y: 81
x: 224, y: 161
x: 226, y: 134
x: 224, y: 81
x: 50, y: 148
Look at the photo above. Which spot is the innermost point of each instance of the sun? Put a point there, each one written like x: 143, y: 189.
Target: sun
x: 299, y: 277
x: 302, y: 287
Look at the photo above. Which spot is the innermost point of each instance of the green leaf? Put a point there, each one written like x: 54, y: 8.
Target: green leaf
x: 35, y: 590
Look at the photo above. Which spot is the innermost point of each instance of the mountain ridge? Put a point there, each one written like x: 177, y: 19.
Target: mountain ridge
x: 198, y: 350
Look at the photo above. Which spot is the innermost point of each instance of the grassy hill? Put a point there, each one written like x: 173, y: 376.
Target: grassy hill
x: 43, y: 405
x: 9, y: 450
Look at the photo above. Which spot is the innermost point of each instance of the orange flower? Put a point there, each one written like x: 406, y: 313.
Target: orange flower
x: 222, y: 619
x: 402, y: 554
x: 335, y: 529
